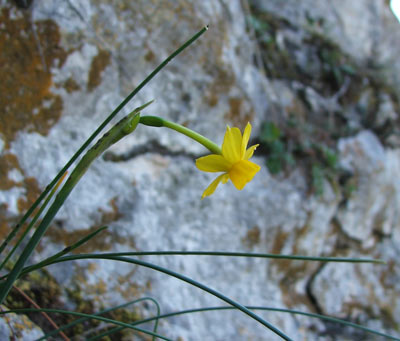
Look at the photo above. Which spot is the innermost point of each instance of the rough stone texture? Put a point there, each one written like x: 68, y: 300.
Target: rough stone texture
x: 359, y: 27
x: 319, y: 74
x: 375, y: 171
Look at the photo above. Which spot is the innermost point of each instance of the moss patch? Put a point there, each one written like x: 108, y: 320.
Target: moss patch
x: 43, y: 289
x: 29, y: 51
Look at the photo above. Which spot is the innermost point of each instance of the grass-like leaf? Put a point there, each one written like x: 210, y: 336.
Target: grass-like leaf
x: 83, y: 319
x: 35, y: 218
x: 121, y: 256
x: 52, y: 259
x: 182, y: 278
x: 290, y: 311
x: 90, y: 316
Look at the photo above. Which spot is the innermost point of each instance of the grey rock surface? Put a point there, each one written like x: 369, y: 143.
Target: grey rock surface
x: 374, y: 207
x: 91, y: 54
x: 359, y: 27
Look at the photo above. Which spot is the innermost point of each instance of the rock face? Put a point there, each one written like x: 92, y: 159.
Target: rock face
x: 319, y: 85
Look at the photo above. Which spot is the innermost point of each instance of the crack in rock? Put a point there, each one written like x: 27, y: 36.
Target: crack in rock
x: 153, y: 146
x: 313, y: 299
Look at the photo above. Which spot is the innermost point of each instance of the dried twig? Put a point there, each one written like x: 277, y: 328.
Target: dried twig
x: 47, y: 317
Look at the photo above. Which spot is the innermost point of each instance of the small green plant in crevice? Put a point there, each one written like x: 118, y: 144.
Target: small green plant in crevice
x: 348, y: 183
x: 323, y: 64
x: 324, y: 167
x: 276, y: 60
x: 297, y: 148
x: 335, y: 64
x: 279, y: 157
x: 261, y: 28
x: 350, y: 91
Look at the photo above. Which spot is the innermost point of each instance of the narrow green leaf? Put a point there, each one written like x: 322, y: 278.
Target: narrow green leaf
x: 83, y: 319
x: 35, y: 218
x: 212, y: 253
x: 290, y: 311
x: 90, y: 316
x: 182, y: 278
x: 70, y: 248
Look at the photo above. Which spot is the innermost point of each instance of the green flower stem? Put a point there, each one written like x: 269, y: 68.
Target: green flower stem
x: 122, y: 128
x: 155, y: 121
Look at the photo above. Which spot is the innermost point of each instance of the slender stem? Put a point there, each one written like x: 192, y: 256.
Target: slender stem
x: 156, y: 121
x: 211, y: 146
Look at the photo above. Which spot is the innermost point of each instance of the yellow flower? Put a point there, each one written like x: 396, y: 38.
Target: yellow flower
x: 234, y: 161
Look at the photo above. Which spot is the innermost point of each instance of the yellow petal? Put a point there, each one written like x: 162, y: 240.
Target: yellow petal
x: 210, y: 189
x: 242, y: 172
x: 245, y: 140
x: 213, y: 163
x: 231, y: 147
x: 249, y: 152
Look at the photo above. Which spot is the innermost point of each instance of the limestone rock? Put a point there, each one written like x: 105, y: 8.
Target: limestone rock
x: 373, y: 206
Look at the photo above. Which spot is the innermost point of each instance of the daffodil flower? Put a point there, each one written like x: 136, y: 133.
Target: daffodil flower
x: 234, y: 160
